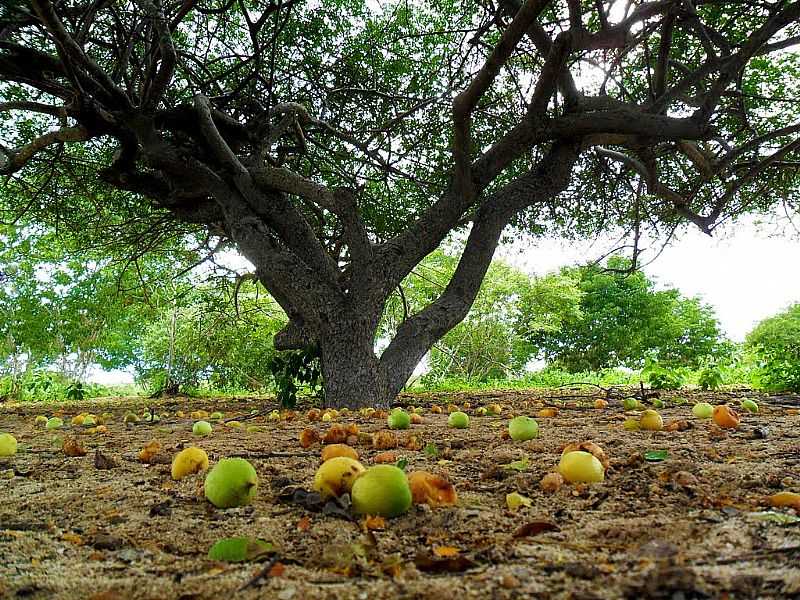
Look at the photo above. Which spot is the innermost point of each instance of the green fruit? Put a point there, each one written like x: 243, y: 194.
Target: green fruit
x: 232, y: 482
x: 54, y: 423
x: 631, y: 425
x: 8, y: 444
x: 458, y: 420
x: 130, y: 418
x: 579, y: 466
x: 398, y: 419
x: 702, y: 410
x: 89, y: 422
x: 658, y: 403
x: 523, y: 428
x: 630, y: 403
x: 239, y: 549
x: 481, y: 411
x: 383, y: 490
x: 216, y: 416
x: 40, y: 421
x: 750, y: 405
x: 201, y: 428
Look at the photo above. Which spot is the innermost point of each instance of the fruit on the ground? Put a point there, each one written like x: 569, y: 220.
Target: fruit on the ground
x: 523, y: 428
x: 40, y: 421
x: 54, y: 423
x: 702, y: 410
x: 417, y: 419
x: 201, y: 428
x: 334, y: 450
x: 658, y: 403
x: 313, y: 414
x: 130, y: 418
x: 726, y: 417
x: 458, y: 420
x: 591, y: 448
x: 600, y: 403
x: 233, y: 424
x: 308, y: 437
x: 514, y: 500
x: 750, y: 405
x: 215, y: 416
x: 199, y: 415
x: 89, y: 421
x: 631, y: 425
x: 431, y: 489
x: 785, y: 499
x: 550, y: 411
x: 398, y: 419
x: 481, y: 411
x: 551, y: 482
x: 188, y: 462
x: 630, y: 403
x: 232, y: 482
x: 382, y: 490
x: 77, y: 419
x: 580, y: 466
x: 149, y: 453
x: 390, y: 456
x: 336, y: 476
x: 651, y: 420
x: 494, y: 409
x: 436, y: 409
x: 384, y: 440
x: 72, y: 447
x: 337, y: 434
x: 8, y: 444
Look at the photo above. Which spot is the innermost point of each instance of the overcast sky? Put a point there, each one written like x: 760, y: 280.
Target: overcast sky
x: 746, y: 272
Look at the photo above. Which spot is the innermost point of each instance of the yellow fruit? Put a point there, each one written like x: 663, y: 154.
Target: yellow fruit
x: 8, y: 444
x: 189, y: 461
x: 234, y: 424
x: 334, y: 450
x: 580, y: 466
x: 651, y: 420
x: 336, y: 476
x: 77, y: 420
x: 232, y: 482
x: 382, y: 490
x: 40, y: 421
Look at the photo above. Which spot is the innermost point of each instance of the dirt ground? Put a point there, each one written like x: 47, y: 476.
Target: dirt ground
x: 69, y: 529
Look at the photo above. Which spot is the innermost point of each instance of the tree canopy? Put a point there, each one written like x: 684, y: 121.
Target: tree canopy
x: 338, y: 143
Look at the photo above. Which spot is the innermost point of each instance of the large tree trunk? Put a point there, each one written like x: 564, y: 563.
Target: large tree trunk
x: 350, y: 369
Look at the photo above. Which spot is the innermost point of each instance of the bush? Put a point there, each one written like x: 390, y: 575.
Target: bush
x: 662, y: 378
x: 774, y: 345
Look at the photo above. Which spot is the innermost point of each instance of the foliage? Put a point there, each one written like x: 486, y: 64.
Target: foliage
x: 774, y: 345
x: 625, y: 321
x: 40, y: 385
x: 296, y: 371
x: 710, y: 377
x: 663, y: 378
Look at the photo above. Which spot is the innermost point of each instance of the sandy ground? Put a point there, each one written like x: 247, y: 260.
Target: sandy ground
x: 69, y: 529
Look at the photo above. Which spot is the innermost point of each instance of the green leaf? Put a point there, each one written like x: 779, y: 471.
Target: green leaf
x: 656, y: 455
x: 774, y: 517
x: 240, y: 549
x: 518, y: 465
x: 402, y: 464
x: 430, y: 450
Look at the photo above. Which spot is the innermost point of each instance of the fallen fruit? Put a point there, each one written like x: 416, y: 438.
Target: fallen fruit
x: 199, y: 415
x: 215, y: 416
x: 514, y: 500
x: 89, y: 421
x: 382, y: 490
x: 130, y: 418
x: 232, y: 482
x: 239, y: 549
x: 725, y: 417
x: 337, y: 434
x: 436, y: 409
x: 384, y: 440
x: 398, y: 419
x: 658, y: 403
x: 334, y: 450
x: 77, y: 420
x: 72, y: 447
x: 149, y: 452
x: 481, y: 411
x: 523, y: 428
x: 599, y: 403
x: 702, y: 410
x: 589, y: 447
x: 188, y: 462
x: 313, y: 414
x: 40, y: 421
x: 551, y: 482
x: 580, y: 466
x: 789, y: 499
x: 416, y: 419
x: 431, y: 489
x: 308, y: 437
x: 458, y: 420
x: 550, y: 411
x: 630, y: 403
x: 234, y: 424
x: 750, y: 405
x: 54, y: 423
x: 336, y: 476
x: 388, y: 457
x: 8, y: 444
x: 651, y: 420
x: 201, y: 428
x: 631, y: 425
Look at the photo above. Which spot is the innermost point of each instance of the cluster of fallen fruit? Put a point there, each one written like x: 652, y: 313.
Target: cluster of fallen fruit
x: 384, y: 489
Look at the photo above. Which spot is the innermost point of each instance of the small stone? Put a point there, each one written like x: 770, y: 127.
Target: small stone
x: 509, y: 582
x: 104, y: 541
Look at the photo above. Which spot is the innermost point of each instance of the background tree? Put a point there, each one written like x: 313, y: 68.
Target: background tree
x: 625, y: 320
x: 338, y: 145
x: 775, y: 346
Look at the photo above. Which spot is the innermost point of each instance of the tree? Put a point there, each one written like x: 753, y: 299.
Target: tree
x: 491, y: 341
x: 337, y: 145
x: 775, y: 345
x: 625, y: 320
